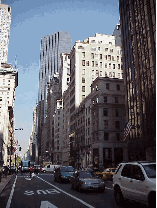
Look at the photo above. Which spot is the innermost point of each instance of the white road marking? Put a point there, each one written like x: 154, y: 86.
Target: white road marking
x: 47, y: 204
x: 11, y: 194
x: 38, y: 192
x: 81, y: 201
x: 48, y: 191
x: 108, y: 188
x: 29, y: 192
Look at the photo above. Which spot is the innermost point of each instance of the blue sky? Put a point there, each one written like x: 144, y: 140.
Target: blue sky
x: 34, y: 19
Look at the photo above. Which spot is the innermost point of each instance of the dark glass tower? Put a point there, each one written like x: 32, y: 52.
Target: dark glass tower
x: 138, y: 33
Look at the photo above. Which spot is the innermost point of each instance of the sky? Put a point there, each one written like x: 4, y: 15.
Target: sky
x: 34, y: 19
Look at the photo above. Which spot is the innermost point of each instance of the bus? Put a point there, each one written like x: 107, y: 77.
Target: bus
x: 25, y: 166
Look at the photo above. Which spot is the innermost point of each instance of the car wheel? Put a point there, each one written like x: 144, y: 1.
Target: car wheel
x: 60, y: 180
x: 79, y: 188
x: 72, y: 186
x: 118, y: 196
x: 152, y: 200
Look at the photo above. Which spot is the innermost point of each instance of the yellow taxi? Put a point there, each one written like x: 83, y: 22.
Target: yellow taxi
x: 107, y: 174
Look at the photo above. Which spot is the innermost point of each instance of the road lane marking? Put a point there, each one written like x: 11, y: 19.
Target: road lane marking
x: 48, y: 191
x: 11, y: 194
x: 29, y: 192
x: 47, y: 204
x: 109, y: 188
x: 81, y: 201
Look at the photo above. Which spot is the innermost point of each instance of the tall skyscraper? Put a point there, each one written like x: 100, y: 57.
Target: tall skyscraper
x: 5, y: 20
x: 51, y: 48
x: 138, y: 31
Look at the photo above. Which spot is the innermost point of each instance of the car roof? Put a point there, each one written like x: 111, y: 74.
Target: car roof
x: 139, y: 162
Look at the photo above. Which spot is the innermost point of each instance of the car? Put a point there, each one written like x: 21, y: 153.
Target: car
x: 107, y: 174
x: 37, y: 168
x: 63, y: 173
x: 135, y: 181
x: 49, y: 168
x: 84, y: 180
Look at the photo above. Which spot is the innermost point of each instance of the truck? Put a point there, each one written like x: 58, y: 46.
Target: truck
x: 25, y: 166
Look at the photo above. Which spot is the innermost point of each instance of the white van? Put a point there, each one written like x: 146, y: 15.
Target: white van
x: 49, y: 168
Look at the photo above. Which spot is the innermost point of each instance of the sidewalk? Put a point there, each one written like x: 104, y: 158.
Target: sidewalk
x: 4, y: 182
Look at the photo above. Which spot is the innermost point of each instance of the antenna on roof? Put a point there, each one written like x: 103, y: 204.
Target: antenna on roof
x: 15, y: 61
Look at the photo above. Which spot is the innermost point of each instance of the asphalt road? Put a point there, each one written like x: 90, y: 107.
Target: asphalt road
x: 42, y: 191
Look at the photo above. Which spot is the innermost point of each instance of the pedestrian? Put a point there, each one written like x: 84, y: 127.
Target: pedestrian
x: 31, y: 171
x: 40, y: 169
x: 6, y: 171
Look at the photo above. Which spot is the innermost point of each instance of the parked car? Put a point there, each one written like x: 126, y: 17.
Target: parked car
x: 135, y: 181
x: 37, y: 169
x: 63, y: 173
x: 107, y: 174
x: 12, y: 170
x: 83, y: 180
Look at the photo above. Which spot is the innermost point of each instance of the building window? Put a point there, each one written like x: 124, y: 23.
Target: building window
x: 106, y: 49
x: 105, y: 99
x: 83, y: 71
x: 100, y: 64
x: 96, y: 87
x: 92, y: 72
x: 110, y: 74
x: 97, y: 73
x: 83, y: 54
x: 105, y: 112
x: 106, y: 74
x: 100, y: 56
x: 111, y: 50
x: 118, y: 87
x: 96, y: 64
x: 117, y: 124
x: 107, y: 86
x: 119, y: 75
x: 101, y: 74
x: 83, y: 88
x: 116, y: 112
x: 105, y: 57
x: 83, y: 80
x: 118, y: 136
x: 92, y: 63
x: 106, y: 135
x: 87, y: 63
x: 118, y: 58
x: 109, y: 57
x: 105, y: 65
x: 113, y: 74
x: 116, y: 99
x: 83, y: 97
x: 109, y: 65
x: 118, y: 66
x: 105, y: 123
x: 113, y: 58
x: 92, y: 55
x: 113, y: 66
x: 98, y: 48
x: 83, y: 62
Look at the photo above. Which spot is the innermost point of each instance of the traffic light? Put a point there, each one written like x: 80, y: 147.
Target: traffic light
x: 20, y: 148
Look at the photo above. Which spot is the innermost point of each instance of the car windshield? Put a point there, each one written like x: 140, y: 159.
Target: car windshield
x: 113, y: 170
x: 150, y: 170
x: 67, y: 169
x: 85, y: 174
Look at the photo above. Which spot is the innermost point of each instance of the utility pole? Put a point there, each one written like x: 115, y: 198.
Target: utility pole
x: 11, y: 149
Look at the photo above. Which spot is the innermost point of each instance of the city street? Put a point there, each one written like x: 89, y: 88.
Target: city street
x: 42, y: 191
